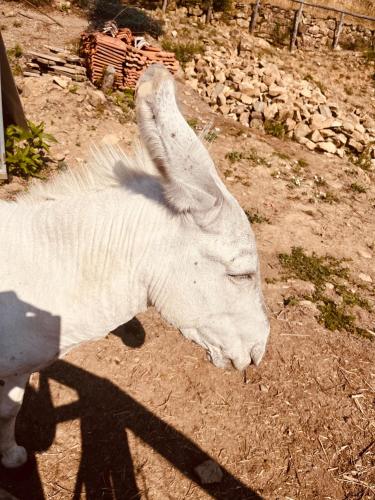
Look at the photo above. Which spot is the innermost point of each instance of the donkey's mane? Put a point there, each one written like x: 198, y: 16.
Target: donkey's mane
x: 108, y: 166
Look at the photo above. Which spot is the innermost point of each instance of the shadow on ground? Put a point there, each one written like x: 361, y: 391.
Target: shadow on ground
x: 129, y: 15
x: 106, y: 469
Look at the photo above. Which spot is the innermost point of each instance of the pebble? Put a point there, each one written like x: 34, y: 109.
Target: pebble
x: 209, y: 472
x: 365, y: 277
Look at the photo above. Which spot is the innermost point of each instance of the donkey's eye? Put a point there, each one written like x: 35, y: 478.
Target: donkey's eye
x: 242, y: 277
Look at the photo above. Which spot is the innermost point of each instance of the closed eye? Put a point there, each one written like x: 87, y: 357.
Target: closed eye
x: 242, y: 277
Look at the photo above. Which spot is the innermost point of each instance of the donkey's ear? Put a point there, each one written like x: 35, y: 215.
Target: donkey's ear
x: 191, y: 183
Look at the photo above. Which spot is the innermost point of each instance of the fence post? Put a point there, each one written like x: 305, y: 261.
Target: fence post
x: 338, y: 31
x: 209, y: 11
x: 164, y: 7
x: 297, y: 20
x: 254, y: 16
x: 3, y: 168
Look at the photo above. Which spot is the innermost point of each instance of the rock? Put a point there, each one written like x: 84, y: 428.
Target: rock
x: 325, y: 111
x: 61, y: 81
x: 224, y: 109
x: 209, y: 472
x: 220, y: 76
x: 96, y: 97
x: 249, y: 89
x: 270, y: 111
x: 340, y: 152
x: 290, y: 124
x: 258, y: 106
x: 246, y: 99
x: 275, y: 90
x: 244, y: 118
x: 306, y: 142
x: 357, y: 146
x: 328, y: 147
x: 257, y: 124
x: 316, y: 136
x: 365, y: 254
x: 221, y: 99
x: 348, y: 126
x: 320, y: 122
x: 365, y: 277
x: 174, y: 33
x: 310, y: 305
x: 360, y: 128
x: 342, y: 138
x: 301, y: 130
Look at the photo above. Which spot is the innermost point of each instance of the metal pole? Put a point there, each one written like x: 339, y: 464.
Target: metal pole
x: 254, y: 16
x: 3, y: 168
x: 297, y: 20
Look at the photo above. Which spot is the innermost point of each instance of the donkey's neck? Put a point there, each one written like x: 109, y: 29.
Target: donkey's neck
x: 104, y: 256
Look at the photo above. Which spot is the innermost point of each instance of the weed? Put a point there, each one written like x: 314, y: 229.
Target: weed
x: 280, y: 34
x: 275, y: 128
x: 211, y: 136
x: 234, y: 156
x: 193, y: 123
x: 125, y: 101
x: 16, y: 52
x: 17, y: 24
x: 184, y: 52
x: 357, y: 188
x: 27, y: 149
x: 369, y: 56
x: 328, y: 197
x: 282, y: 156
x: 318, y: 83
x: 290, y: 301
x: 73, y: 89
x: 363, y: 161
x: 256, y: 218
x: 334, y: 315
x: 302, y: 163
x: 348, y: 90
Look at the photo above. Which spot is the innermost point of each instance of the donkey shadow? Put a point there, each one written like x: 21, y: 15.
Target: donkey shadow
x: 106, y: 469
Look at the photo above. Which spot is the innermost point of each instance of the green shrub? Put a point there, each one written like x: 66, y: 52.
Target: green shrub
x: 26, y: 150
x: 275, y: 128
x: 184, y: 52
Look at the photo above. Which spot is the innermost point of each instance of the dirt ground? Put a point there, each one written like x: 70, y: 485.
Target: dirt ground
x: 132, y: 415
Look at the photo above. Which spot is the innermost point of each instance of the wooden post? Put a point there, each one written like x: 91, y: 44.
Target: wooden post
x: 3, y: 168
x: 254, y: 16
x: 338, y: 31
x: 209, y: 11
x: 164, y: 7
x: 297, y: 20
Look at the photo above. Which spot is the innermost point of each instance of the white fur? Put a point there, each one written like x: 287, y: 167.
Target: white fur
x: 89, y: 250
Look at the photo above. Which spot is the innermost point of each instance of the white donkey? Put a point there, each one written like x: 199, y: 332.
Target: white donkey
x: 87, y: 252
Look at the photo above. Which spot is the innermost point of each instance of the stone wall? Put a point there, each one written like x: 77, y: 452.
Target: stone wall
x: 276, y: 24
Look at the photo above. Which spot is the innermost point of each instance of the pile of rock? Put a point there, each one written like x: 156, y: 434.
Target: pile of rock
x: 260, y: 95
x: 102, y: 50
x: 56, y: 61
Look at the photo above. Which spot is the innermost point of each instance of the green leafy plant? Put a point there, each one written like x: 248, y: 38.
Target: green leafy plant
x: 184, y: 52
x: 26, y: 150
x: 275, y: 128
x: 335, y: 313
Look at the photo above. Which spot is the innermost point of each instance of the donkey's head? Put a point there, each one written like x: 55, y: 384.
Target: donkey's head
x: 215, y: 296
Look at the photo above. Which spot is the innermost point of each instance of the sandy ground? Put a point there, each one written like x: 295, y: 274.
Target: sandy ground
x: 132, y: 415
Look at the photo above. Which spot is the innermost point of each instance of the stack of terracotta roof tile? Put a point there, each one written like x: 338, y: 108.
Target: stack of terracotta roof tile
x: 101, y: 50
